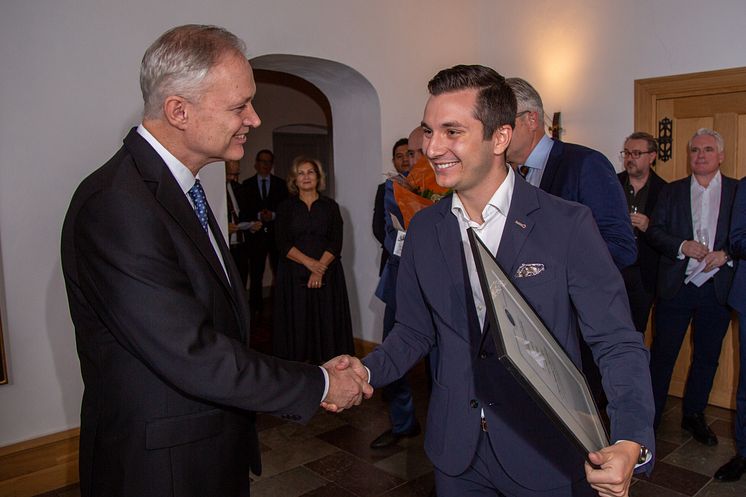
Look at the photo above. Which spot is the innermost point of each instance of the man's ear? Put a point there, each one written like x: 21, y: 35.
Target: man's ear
x: 175, y: 111
x: 533, y: 120
x: 501, y: 139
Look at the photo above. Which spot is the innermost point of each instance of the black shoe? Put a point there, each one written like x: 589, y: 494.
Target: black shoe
x: 697, y: 426
x: 732, y: 470
x: 389, y: 438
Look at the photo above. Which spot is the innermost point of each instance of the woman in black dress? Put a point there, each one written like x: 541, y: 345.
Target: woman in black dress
x: 312, y: 312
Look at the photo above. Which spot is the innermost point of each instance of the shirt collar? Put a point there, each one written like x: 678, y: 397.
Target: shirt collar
x: 715, y: 181
x: 539, y: 156
x: 498, y: 203
x: 180, y: 172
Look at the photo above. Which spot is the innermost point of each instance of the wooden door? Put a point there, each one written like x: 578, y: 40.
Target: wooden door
x: 717, y: 100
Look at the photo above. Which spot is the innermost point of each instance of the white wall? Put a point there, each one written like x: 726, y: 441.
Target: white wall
x: 70, y: 93
x: 584, y: 57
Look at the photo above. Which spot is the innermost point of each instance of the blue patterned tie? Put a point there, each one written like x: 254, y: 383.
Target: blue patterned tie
x: 200, y: 203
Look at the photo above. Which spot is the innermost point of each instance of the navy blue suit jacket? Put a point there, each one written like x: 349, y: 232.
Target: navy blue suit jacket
x: 672, y: 224
x: 584, y: 175
x: 737, y: 298
x: 436, y: 314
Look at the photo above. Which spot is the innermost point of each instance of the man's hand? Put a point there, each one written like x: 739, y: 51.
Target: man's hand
x: 265, y: 215
x: 715, y: 259
x: 232, y: 228
x: 348, y: 383
x: 694, y: 249
x: 640, y: 221
x: 617, y: 463
x: 255, y: 226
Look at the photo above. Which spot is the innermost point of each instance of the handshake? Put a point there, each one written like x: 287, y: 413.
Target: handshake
x: 348, y: 383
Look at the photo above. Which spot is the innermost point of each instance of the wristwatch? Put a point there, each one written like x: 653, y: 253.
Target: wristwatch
x: 644, y: 452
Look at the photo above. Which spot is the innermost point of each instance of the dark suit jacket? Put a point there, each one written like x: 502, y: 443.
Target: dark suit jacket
x: 278, y: 191
x: 435, y: 313
x: 737, y: 298
x: 584, y: 175
x: 672, y: 224
x: 647, y: 256
x: 161, y: 335
x: 379, y: 225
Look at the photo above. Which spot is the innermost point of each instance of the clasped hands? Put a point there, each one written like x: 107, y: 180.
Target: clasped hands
x: 317, y: 269
x: 348, y: 383
x: 696, y: 250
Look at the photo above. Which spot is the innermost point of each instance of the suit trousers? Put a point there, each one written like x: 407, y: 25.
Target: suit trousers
x: 399, y: 393
x: 741, y: 393
x: 485, y: 477
x: 261, y: 246
x: 709, y: 319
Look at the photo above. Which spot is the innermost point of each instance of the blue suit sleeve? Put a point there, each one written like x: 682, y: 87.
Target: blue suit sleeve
x: 738, y: 223
x: 600, y: 190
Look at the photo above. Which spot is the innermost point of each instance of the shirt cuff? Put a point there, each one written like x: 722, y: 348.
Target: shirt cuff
x: 648, y: 457
x: 326, y: 383
x: 681, y: 254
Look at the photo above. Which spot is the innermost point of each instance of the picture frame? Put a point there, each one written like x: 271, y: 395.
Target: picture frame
x: 532, y: 355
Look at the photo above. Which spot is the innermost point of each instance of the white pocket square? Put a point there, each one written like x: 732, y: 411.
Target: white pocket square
x: 529, y: 270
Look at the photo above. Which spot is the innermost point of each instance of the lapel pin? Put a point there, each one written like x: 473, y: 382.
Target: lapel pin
x: 522, y: 225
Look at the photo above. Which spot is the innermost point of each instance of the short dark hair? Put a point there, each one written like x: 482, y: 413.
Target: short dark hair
x: 650, y: 139
x: 496, y: 105
x: 399, y: 143
x: 265, y: 151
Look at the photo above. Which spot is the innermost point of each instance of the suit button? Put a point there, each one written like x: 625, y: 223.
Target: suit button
x: 483, y: 355
x: 474, y: 403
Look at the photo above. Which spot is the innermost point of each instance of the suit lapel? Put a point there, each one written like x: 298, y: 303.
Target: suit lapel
x: 518, y: 224
x: 552, y: 166
x: 168, y: 193
x: 726, y: 196
x: 685, y: 201
x: 451, y: 248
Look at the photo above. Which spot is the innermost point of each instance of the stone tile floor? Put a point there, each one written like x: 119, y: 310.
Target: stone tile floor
x: 330, y: 457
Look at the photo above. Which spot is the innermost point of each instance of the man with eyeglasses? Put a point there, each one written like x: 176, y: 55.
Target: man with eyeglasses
x: 641, y: 186
x: 690, y: 230
x: 571, y: 172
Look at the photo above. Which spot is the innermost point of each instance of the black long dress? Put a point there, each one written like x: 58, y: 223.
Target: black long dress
x: 311, y: 324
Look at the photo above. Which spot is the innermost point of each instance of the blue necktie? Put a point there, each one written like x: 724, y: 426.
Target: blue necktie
x: 200, y: 203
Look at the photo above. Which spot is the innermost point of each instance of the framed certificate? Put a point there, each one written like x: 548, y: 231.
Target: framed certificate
x: 534, y: 357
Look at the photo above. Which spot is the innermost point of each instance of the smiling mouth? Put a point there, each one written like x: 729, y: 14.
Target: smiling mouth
x: 443, y: 166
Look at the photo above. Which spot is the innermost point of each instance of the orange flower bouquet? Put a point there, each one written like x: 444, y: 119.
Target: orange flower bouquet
x: 418, y: 190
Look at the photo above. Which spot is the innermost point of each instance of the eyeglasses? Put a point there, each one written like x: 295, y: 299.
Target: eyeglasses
x: 635, y: 154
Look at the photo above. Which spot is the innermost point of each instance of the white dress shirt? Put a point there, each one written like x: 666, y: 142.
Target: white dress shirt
x: 184, y: 178
x: 705, y: 211
x: 490, y: 232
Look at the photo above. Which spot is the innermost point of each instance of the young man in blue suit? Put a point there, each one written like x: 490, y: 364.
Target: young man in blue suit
x: 736, y: 467
x: 485, y: 435
x: 690, y: 230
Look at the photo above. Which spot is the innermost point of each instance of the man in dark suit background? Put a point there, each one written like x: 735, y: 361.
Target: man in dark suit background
x: 572, y: 172
x: 238, y: 225
x: 159, y: 310
x: 641, y: 186
x: 265, y: 191
x: 484, y: 433
x: 690, y: 230
x: 400, y: 160
x: 736, y: 467
x: 398, y: 394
